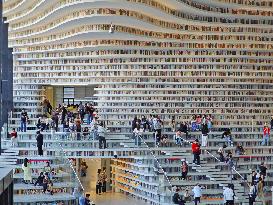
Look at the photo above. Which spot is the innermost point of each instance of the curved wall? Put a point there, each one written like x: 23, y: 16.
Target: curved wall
x: 175, y: 57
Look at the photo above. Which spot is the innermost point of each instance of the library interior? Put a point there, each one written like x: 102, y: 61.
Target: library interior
x: 140, y: 102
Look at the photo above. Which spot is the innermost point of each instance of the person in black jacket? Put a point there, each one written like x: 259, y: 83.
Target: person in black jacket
x: 205, y: 131
x: 40, y: 142
x: 40, y: 180
x: 177, y: 198
x: 263, y: 169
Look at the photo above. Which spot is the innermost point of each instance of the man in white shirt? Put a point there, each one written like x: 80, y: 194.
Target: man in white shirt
x: 197, y: 193
x: 228, y: 195
x: 101, y: 133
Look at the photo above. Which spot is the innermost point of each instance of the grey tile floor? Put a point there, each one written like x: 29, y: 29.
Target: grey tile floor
x: 109, y: 198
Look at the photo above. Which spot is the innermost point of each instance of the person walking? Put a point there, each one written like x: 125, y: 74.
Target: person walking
x: 266, y: 134
x: 197, y: 193
x: 196, y: 152
x: 26, y: 167
x: 229, y: 195
x: 40, y: 142
x: 101, y: 133
x: 205, y: 131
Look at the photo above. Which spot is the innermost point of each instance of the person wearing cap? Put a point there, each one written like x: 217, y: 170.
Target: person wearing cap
x: 196, y: 152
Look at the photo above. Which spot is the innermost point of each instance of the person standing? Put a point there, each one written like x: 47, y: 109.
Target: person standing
x: 101, y: 133
x: 158, y: 127
x: 104, y: 179
x: 196, y: 152
x: 26, y: 167
x: 82, y: 199
x: 99, y: 182
x: 55, y: 120
x: 89, y: 110
x: 266, y: 134
x: 261, y: 189
x: 81, y: 111
x: 252, y: 193
x: 197, y: 193
x: 229, y: 195
x: 40, y: 142
x: 78, y: 128
x: 205, y: 131
x: 24, y: 118
x: 271, y: 122
x: 137, y: 135
x: 64, y: 113
x: 263, y: 169
x: 14, y: 141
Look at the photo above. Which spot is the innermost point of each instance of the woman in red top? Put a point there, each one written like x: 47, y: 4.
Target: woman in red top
x: 266, y: 135
x: 184, y: 169
x: 196, y: 151
x: 13, y: 137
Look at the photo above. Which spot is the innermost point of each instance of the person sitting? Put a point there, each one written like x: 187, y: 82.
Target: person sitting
x: 239, y: 150
x: 178, y: 138
x: 40, y: 180
x: 221, y: 153
x: 48, y: 170
x: 46, y: 181
x: 227, y: 136
x: 187, y: 196
x: 50, y: 187
x: 164, y: 140
x: 177, y: 198
x: 86, y: 132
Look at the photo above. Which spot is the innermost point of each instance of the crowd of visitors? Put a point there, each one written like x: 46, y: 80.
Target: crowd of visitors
x: 44, y: 179
x: 72, y: 120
